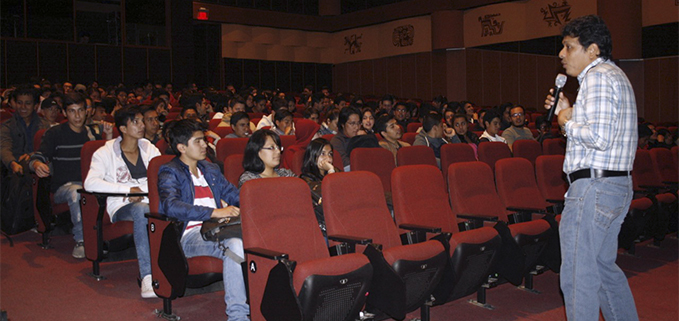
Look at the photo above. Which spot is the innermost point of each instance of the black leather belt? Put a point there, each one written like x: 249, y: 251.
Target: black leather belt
x: 595, y: 173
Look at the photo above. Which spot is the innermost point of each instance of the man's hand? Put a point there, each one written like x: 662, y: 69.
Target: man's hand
x: 563, y: 102
x: 17, y: 169
x: 23, y: 157
x: 564, y: 116
x: 107, y: 128
x: 229, y: 211
x: 41, y: 169
x: 135, y: 199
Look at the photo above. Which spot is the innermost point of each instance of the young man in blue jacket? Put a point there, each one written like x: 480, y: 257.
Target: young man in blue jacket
x: 193, y: 190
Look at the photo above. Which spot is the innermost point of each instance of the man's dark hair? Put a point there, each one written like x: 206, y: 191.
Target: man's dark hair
x: 310, y: 111
x: 541, y: 120
x: 281, y: 114
x: 179, y: 132
x: 121, y: 89
x: 235, y: 101
x: 311, y: 154
x: 644, y: 131
x: 73, y: 98
x: 251, y: 160
x: 158, y: 92
x: 191, y: 100
x: 279, y: 103
x: 108, y: 103
x: 388, y: 97
x: 316, y: 98
x: 27, y: 91
x: 518, y: 106
x: 259, y: 98
x: 340, y: 99
x: 430, y: 120
x: 126, y: 114
x: 591, y: 29
x: 490, y: 115
x: 332, y: 114
x: 381, y: 123
x: 235, y: 117
x: 459, y: 115
x: 344, y: 115
x: 185, y: 109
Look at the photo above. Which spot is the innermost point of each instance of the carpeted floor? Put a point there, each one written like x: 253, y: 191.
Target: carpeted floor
x: 39, y: 284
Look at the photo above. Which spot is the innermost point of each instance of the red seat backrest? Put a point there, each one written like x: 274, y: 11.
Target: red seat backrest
x: 412, y: 127
x: 376, y: 160
x: 554, y: 146
x: 644, y: 173
x: 233, y: 168
x: 662, y: 159
x: 152, y: 174
x: 516, y: 186
x: 409, y: 138
x: 528, y: 149
x: 472, y: 190
x: 414, y: 155
x: 223, y: 131
x: 37, y: 139
x: 212, y: 124
x: 86, y: 153
x: 550, y: 177
x: 230, y: 146
x: 490, y: 152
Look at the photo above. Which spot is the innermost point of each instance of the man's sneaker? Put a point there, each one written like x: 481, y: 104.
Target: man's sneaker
x: 147, y: 288
x: 79, y: 251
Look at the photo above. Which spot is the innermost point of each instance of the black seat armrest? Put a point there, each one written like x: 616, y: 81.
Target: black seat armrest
x: 350, y: 239
x: 423, y: 228
x: 474, y: 221
x: 268, y: 254
x: 159, y: 216
x: 527, y: 210
x: 416, y: 233
x: 555, y: 201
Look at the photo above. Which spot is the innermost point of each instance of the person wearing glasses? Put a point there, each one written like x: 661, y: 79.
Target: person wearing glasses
x: 517, y: 130
x: 402, y: 115
x: 347, y: 126
x: 262, y: 157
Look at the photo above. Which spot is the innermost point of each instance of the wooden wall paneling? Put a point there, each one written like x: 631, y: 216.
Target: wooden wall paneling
x: 52, y: 61
x: 160, y: 65
x: 652, y: 89
x: 394, y: 74
x: 251, y: 73
x: 424, y: 76
x: 668, y: 98
x: 309, y: 74
x: 380, y: 76
x: 510, y: 76
x: 547, y: 69
x: 233, y: 72
x: 634, y: 69
x: 134, y: 65
x: 438, y: 71
x: 22, y: 61
x: 81, y: 63
x: 409, y: 76
x: 528, y: 79
x: 324, y: 75
x: 354, y: 77
x: 283, y: 76
x: 267, y: 74
x: 475, y: 81
x: 339, y: 74
x: 109, y: 65
x: 492, y: 77
x: 297, y: 76
x: 366, y: 76
x: 456, y: 75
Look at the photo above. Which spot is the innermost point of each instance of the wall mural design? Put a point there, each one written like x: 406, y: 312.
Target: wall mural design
x: 490, y: 26
x: 352, y: 44
x: 404, y: 36
x: 557, y: 15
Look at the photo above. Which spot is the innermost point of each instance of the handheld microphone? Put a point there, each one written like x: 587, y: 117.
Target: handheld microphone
x: 559, y: 83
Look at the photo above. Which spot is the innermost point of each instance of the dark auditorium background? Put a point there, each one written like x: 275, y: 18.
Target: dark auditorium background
x: 486, y: 51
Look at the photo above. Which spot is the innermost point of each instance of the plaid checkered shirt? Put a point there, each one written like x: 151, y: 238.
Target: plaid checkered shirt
x: 602, y: 133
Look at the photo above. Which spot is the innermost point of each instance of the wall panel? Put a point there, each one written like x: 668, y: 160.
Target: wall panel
x: 81, y: 63
x: 510, y: 76
x: 529, y: 79
x: 22, y: 61
x: 438, y: 70
x: 354, y: 78
x: 546, y: 70
x: 424, y: 76
x: 409, y: 73
x: 52, y: 61
x: 394, y: 74
x: 474, y: 76
x: 283, y: 76
x: 339, y: 76
x: 652, y: 89
x: 134, y: 65
x: 159, y: 65
x: 491, y: 72
x: 380, y: 76
x: 366, y: 76
x: 109, y: 65
x: 267, y: 74
x: 297, y: 76
x: 668, y: 97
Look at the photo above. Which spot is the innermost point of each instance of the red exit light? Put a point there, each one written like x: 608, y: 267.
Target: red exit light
x: 203, y: 13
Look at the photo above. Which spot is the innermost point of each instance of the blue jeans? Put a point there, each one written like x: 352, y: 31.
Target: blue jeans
x: 135, y: 212
x: 590, y: 280
x: 234, y: 285
x: 68, y: 193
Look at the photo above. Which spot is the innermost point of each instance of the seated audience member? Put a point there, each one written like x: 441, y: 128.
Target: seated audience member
x: 517, y: 130
x: 367, y: 122
x: 479, y: 126
x: 438, y: 103
x: 433, y: 135
x: 506, y: 120
x: 240, y: 123
x: 270, y: 120
x: 312, y: 115
x: 472, y: 117
x: 391, y: 132
x: 462, y: 133
x: 491, y: 120
x: 402, y: 114
x: 50, y: 111
x: 179, y: 181
x: 665, y: 139
x: 262, y: 157
x: 151, y: 124
x: 306, y: 130
x: 121, y: 99
x: 283, y: 123
x: 198, y: 103
x: 291, y: 103
x: 59, y: 156
x: 644, y: 136
x: 317, y: 163
x: 235, y: 105
x: 162, y: 108
x: 329, y: 125
x: 259, y: 105
x: 16, y: 135
x: 348, y: 124
x: 341, y: 102
x: 544, y: 129
x: 448, y: 118
x: 120, y: 167
x: 386, y: 104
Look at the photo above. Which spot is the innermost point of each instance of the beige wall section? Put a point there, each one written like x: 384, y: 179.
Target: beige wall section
x: 657, y: 12
x: 518, y: 21
x: 247, y: 42
x: 399, y: 37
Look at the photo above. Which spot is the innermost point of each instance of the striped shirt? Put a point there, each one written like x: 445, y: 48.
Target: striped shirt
x: 602, y: 133
x: 202, y: 196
